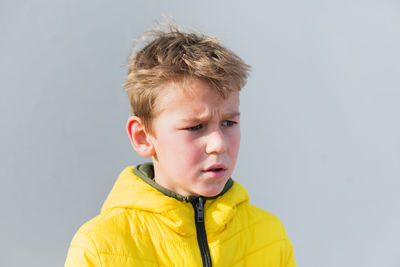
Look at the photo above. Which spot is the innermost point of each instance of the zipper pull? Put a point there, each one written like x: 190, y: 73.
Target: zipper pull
x: 200, y: 210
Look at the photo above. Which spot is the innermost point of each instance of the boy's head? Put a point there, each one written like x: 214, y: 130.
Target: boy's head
x: 174, y: 55
x: 183, y: 90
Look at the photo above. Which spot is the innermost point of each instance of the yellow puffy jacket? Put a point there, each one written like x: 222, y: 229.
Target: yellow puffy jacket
x: 142, y: 224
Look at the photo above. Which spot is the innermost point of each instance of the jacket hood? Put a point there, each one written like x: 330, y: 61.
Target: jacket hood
x: 131, y: 192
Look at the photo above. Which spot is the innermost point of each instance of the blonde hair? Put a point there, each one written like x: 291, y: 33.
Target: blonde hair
x: 174, y: 55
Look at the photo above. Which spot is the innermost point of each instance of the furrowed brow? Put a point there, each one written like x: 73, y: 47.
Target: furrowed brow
x: 231, y: 114
x: 198, y: 119
x: 195, y: 119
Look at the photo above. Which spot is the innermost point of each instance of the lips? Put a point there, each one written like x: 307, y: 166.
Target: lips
x: 216, y: 171
x: 215, y: 168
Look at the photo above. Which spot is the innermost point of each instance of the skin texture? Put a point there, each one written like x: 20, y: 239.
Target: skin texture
x: 195, y: 138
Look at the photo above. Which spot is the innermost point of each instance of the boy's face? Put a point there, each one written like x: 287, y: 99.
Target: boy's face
x: 196, y: 138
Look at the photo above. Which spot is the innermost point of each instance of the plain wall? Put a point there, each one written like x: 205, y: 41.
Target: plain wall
x: 320, y: 125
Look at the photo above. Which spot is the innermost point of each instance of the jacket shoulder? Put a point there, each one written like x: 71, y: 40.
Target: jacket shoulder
x: 82, y: 252
x: 266, y: 233
x: 98, y: 237
x: 101, y: 220
x: 264, y: 221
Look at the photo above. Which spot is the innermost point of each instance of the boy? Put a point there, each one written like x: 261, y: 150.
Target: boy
x: 183, y: 209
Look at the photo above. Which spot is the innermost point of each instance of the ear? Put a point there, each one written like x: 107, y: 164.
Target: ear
x: 140, y: 139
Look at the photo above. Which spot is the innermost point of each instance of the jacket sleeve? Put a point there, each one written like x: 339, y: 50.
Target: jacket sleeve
x: 82, y: 252
x: 289, y: 256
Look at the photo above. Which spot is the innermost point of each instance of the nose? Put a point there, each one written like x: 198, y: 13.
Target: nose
x: 216, y: 143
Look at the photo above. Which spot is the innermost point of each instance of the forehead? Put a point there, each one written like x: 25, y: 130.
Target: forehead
x: 195, y: 98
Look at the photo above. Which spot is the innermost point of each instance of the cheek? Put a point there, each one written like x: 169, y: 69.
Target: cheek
x: 235, y: 144
x: 164, y: 146
x: 179, y: 149
x: 190, y: 151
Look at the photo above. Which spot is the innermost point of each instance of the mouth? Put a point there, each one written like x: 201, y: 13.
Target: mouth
x: 216, y: 167
x: 216, y: 170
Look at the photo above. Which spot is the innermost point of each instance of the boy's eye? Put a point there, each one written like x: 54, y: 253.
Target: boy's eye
x: 195, y: 128
x: 228, y: 123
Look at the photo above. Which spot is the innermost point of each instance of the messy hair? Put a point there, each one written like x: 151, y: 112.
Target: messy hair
x: 171, y: 55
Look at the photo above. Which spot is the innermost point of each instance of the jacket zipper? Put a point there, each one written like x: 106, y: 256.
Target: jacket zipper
x: 198, y: 205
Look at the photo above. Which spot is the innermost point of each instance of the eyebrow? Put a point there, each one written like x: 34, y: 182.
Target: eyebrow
x: 203, y: 118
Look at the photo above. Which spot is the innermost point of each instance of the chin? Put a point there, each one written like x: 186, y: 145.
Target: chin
x: 211, y: 192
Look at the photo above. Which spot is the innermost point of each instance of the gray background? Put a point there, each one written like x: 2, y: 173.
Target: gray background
x: 320, y: 126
